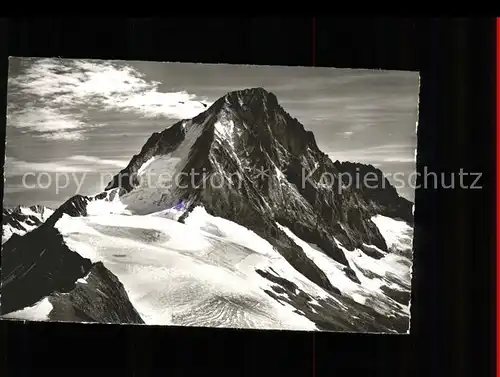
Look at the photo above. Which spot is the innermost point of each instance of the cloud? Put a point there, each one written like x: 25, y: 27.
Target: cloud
x: 378, y: 154
x: 96, y: 160
x: 348, y: 133
x: 400, y: 159
x: 73, y: 164
x: 366, y: 107
x: 15, y: 167
x: 47, y: 123
x: 53, y: 97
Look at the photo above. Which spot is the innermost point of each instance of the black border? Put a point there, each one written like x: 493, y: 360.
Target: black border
x: 454, y: 266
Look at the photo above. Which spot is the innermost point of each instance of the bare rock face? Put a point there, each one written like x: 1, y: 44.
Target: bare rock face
x: 100, y: 297
x: 37, y: 264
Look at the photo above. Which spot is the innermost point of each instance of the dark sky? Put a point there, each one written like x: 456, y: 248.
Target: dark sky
x: 86, y: 117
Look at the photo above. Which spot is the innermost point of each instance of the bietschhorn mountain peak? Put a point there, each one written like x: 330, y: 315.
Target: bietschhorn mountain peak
x: 249, y: 95
x: 256, y: 100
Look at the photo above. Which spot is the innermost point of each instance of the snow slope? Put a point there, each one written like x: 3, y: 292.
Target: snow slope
x: 176, y: 275
x: 159, y: 177
x: 203, y: 272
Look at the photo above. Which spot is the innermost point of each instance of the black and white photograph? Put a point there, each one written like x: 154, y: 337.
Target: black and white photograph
x: 209, y: 195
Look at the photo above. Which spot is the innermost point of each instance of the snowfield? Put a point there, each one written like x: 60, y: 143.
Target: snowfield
x: 203, y: 272
x: 177, y: 275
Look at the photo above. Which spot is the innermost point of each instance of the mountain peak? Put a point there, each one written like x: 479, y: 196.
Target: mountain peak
x: 251, y: 92
x: 21, y: 219
x: 250, y: 98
